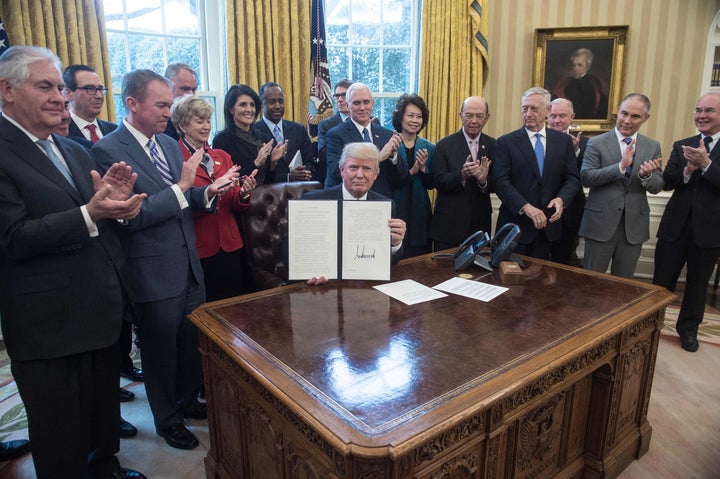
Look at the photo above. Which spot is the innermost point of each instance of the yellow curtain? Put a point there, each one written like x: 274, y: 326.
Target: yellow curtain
x: 269, y: 40
x: 73, y: 29
x: 454, y: 60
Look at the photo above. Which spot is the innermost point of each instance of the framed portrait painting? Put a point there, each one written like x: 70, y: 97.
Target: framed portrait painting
x: 584, y: 65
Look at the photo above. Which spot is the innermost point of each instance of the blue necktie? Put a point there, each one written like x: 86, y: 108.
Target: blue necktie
x: 628, y: 169
x: 366, y: 136
x: 539, y: 152
x: 707, y: 140
x: 160, y: 163
x: 59, y: 164
x: 277, y: 133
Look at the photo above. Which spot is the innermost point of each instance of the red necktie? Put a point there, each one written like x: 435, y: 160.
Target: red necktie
x: 93, y: 134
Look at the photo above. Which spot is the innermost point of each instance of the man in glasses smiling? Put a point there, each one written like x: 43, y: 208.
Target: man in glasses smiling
x: 86, y: 95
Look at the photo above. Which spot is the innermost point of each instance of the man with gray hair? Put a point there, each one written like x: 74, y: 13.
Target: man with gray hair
x: 63, y: 277
x: 535, y: 176
x: 184, y: 82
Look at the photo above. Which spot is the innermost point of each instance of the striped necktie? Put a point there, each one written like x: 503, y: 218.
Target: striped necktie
x: 160, y: 163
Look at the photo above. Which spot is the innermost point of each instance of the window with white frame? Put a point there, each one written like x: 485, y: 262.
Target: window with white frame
x: 375, y: 42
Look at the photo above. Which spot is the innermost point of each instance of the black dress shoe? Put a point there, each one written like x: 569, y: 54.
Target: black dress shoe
x: 134, y: 374
x: 689, y: 343
x: 126, y: 473
x: 126, y: 395
x: 12, y: 449
x: 195, y: 410
x: 179, y: 437
x: 127, y: 430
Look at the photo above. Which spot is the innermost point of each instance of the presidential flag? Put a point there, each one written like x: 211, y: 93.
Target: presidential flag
x: 4, y: 42
x: 320, y: 101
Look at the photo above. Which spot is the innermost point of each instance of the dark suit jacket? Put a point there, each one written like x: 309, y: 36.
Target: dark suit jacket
x: 574, y: 211
x: 517, y: 179
x: 170, y: 131
x: 105, y: 128
x: 326, y: 125
x: 699, y: 199
x: 60, y: 289
x: 298, y: 140
x: 160, y: 241
x: 389, y: 176
x: 243, y: 152
x: 459, y: 210
x: 335, y: 193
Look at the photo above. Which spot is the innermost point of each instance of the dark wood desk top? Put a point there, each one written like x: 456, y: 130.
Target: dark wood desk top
x: 367, y: 364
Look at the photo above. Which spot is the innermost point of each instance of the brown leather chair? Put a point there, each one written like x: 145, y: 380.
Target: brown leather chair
x: 265, y: 227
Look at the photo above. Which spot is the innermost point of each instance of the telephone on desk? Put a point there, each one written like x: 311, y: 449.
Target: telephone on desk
x: 501, y: 246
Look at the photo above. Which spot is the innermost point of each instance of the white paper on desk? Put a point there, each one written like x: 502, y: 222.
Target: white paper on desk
x: 366, y: 240
x: 471, y: 289
x: 409, y: 291
x: 296, y: 161
x: 312, y: 239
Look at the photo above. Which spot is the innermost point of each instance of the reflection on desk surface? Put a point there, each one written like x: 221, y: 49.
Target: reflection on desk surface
x: 380, y: 362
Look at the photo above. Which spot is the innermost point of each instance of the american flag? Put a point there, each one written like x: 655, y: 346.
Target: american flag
x: 4, y: 42
x: 319, y: 103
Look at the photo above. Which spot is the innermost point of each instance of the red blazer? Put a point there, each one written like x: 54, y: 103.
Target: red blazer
x: 219, y: 230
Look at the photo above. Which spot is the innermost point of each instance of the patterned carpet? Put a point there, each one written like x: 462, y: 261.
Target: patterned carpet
x: 709, y: 331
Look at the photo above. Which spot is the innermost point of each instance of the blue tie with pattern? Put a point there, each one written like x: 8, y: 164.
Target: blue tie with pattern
x: 539, y: 152
x: 628, y: 168
x: 366, y: 136
x: 160, y: 163
x: 59, y: 164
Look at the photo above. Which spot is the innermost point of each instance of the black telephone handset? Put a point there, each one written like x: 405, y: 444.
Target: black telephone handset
x: 503, y: 243
x: 465, y: 253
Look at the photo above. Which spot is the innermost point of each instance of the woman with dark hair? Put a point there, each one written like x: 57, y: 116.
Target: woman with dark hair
x: 411, y: 197
x: 241, y: 138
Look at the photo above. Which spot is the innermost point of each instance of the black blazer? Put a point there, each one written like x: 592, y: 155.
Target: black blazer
x: 517, y: 179
x: 60, y: 289
x: 335, y: 193
x: 105, y: 128
x: 699, y: 199
x: 459, y: 210
x: 389, y: 176
x: 298, y: 140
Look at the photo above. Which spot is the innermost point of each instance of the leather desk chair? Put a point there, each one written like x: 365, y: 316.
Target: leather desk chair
x: 265, y: 226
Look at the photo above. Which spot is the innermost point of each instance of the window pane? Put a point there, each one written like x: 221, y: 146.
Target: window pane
x: 338, y: 63
x: 366, y: 67
x: 146, y: 52
x: 119, y: 108
x: 337, y: 21
x: 185, y: 50
x: 366, y: 22
x: 181, y: 17
x: 116, y: 48
x: 114, y: 16
x: 397, y: 19
x: 365, y: 34
x: 384, y: 108
x: 144, y: 16
x: 396, y: 70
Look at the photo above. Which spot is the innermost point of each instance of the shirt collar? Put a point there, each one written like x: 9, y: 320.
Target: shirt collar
x: 82, y: 123
x: 137, y: 134
x: 531, y: 134
x: 620, y: 137
x: 348, y: 196
x: 272, y: 125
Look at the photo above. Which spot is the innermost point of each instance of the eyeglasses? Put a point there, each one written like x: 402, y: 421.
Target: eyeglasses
x: 339, y: 95
x: 92, y: 90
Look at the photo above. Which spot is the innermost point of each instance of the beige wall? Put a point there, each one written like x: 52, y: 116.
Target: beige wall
x: 665, y: 55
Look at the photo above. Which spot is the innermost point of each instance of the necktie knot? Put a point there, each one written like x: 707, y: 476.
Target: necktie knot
x: 707, y: 140
x: 93, y: 132
x: 627, y: 140
x: 366, y: 136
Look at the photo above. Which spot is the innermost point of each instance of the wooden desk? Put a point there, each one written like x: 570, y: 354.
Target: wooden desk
x: 551, y: 379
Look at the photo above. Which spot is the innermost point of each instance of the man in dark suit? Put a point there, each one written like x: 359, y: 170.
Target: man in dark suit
x: 359, y: 168
x: 689, y: 231
x: 358, y: 128
x: 341, y: 114
x: 620, y: 167
x: 535, y: 176
x: 86, y: 95
x: 160, y: 245
x: 563, y: 250
x: 62, y: 274
x: 461, y: 172
x: 184, y: 82
x: 273, y: 127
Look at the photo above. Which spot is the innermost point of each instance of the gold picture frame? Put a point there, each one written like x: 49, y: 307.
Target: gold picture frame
x: 560, y: 58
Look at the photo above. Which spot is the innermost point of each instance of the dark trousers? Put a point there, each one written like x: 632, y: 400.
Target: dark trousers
x: 670, y: 256
x: 171, y: 360
x: 539, y: 247
x: 72, y: 409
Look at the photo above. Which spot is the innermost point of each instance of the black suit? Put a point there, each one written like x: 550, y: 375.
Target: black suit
x: 298, y: 140
x: 389, y: 175
x: 335, y: 193
x: 459, y: 209
x: 518, y: 181
x: 105, y: 128
x: 689, y: 232
x: 562, y: 250
x: 61, y: 302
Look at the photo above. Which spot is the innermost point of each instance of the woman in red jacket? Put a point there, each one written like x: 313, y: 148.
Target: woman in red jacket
x: 217, y: 235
